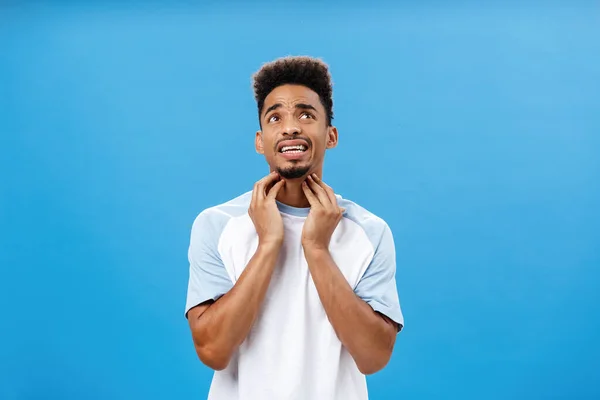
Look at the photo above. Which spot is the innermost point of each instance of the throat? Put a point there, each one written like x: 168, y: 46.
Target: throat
x: 291, y: 194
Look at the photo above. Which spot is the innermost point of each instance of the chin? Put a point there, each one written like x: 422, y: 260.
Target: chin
x: 293, y: 171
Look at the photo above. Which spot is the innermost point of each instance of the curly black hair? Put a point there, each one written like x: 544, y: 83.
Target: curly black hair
x: 300, y: 70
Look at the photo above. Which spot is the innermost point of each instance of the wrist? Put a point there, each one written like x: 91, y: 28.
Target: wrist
x: 269, y: 246
x: 314, y: 250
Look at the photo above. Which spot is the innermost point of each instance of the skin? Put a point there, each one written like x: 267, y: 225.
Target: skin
x: 292, y: 120
x: 218, y: 328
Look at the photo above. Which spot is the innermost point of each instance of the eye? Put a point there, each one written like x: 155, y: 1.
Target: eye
x: 306, y: 115
x: 273, y: 118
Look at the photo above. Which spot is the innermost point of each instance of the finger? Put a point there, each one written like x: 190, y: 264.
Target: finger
x: 319, y: 192
x: 254, y: 194
x: 327, y: 188
x: 310, y: 196
x: 262, y: 184
x: 275, y: 189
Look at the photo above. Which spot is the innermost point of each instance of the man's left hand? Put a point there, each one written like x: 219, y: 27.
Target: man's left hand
x: 324, y: 215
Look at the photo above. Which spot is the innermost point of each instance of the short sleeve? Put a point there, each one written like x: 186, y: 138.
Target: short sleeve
x: 208, y: 278
x: 377, y: 287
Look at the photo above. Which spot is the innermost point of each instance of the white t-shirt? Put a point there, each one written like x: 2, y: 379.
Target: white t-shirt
x: 292, y: 351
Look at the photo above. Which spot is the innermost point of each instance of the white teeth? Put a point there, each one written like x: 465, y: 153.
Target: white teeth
x: 293, y: 149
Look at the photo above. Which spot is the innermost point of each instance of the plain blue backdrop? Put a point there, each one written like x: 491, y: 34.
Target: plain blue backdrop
x: 473, y: 130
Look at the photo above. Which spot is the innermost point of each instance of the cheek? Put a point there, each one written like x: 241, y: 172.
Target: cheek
x: 267, y: 146
x: 319, y: 147
x: 269, y: 153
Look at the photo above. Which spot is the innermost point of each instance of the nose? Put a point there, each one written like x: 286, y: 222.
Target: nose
x: 291, y: 127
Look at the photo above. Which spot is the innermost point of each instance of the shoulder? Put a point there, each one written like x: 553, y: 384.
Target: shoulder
x: 213, y: 219
x: 373, y: 226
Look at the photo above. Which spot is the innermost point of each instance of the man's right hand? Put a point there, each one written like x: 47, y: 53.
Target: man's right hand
x: 220, y: 327
x: 264, y: 212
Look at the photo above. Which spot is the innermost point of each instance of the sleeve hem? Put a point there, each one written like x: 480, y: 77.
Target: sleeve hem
x: 393, y: 314
x: 196, y: 302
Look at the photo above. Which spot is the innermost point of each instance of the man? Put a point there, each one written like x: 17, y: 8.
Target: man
x: 292, y: 291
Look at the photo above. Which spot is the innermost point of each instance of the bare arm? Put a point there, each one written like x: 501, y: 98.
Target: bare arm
x: 219, y: 328
x: 367, y: 335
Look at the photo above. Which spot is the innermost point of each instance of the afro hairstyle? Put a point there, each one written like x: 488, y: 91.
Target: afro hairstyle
x: 298, y: 70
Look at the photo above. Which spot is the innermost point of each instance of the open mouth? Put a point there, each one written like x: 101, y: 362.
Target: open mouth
x: 293, y: 149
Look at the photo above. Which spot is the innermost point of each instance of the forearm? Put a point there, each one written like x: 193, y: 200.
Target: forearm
x: 226, y: 323
x: 363, y: 332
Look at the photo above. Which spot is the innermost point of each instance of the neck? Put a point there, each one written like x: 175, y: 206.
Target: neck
x: 291, y: 194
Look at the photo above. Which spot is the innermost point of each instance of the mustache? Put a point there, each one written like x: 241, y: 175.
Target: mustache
x: 297, y: 137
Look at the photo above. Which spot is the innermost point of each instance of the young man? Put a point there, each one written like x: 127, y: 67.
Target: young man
x: 292, y: 291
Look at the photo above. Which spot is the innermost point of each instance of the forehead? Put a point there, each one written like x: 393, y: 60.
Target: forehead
x: 289, y: 94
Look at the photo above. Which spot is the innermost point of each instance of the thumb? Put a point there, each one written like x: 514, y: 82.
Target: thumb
x: 275, y: 189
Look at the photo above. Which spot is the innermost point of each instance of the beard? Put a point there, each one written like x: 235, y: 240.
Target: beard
x: 294, y: 172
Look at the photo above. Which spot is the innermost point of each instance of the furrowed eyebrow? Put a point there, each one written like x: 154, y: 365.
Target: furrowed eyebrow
x: 303, y: 106
x: 300, y: 106
x: 273, y: 107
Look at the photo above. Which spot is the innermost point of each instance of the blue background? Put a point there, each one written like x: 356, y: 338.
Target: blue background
x: 473, y: 130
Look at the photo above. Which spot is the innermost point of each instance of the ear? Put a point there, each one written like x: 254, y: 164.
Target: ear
x: 332, y: 137
x: 258, y: 143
